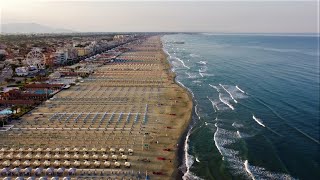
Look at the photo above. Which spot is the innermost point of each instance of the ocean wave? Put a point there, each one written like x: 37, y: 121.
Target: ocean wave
x: 182, y: 62
x: 240, y: 89
x: 191, y: 75
x: 215, y: 87
x: 202, y: 62
x: 228, y: 93
x: 255, y: 172
x: 259, y: 121
x: 226, y: 102
x: 214, y: 105
x: 194, y: 55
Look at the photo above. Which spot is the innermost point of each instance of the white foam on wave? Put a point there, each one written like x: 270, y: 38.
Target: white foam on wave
x: 246, y: 166
x: 225, y: 102
x: 240, y: 89
x: 202, y: 62
x: 238, y: 133
x: 191, y: 75
x: 229, y: 93
x: 196, y: 110
x: 182, y: 62
x: 259, y: 121
x: 194, y: 55
x: 216, y: 141
x: 214, y: 105
x: 215, y: 87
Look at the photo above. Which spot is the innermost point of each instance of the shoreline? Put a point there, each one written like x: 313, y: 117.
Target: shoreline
x: 178, y: 174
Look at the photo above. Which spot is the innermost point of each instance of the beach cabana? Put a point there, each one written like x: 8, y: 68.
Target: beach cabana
x: 60, y: 171
x: 15, y: 171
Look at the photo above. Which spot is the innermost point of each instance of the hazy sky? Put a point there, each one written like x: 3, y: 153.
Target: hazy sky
x: 205, y: 16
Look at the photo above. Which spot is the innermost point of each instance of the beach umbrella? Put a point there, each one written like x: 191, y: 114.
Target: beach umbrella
x: 87, y: 163
x: 72, y: 171
x: 38, y: 171
x: 28, y: 156
x: 19, y: 156
x: 114, y: 157
x: 39, y: 149
x: 48, y: 150
x: 56, y: 163
x: 47, y: 156
x: 103, y: 149
x: 16, y: 163
x: 43, y: 178
x: 49, y: 171
x: 127, y: 164
x: 12, y: 149
x: 38, y: 156
x: 1, y: 156
x: 26, y: 163
x: 112, y: 150
x: 57, y: 150
x: 36, y: 163
x: 3, y: 149
x: 30, y: 149
x: 85, y: 156
x: 66, y: 156
x: 105, y: 156
x: 27, y: 171
x: 93, y: 149
x: 117, y: 164
x: 21, y: 149
x: 75, y: 149
x: 4, y: 172
x: 7, y: 178
x: 6, y: 163
x: 30, y: 178
x: 54, y: 178
x: 66, y: 149
x: 124, y: 157
x: 60, y: 171
x: 46, y: 163
x: 106, y: 163
x: 66, y: 163
x: 96, y: 163
x: 15, y: 171
x: 75, y: 156
x: 130, y: 151
x: 121, y: 150
x: 95, y: 156
x: 9, y: 156
x: 76, y: 163
x: 56, y: 156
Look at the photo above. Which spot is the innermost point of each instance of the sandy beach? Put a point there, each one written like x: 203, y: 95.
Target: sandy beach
x: 123, y: 121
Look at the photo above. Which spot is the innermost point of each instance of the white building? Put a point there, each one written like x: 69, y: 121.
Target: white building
x: 60, y: 57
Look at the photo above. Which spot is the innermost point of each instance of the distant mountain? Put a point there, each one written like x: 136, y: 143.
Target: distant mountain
x: 29, y: 28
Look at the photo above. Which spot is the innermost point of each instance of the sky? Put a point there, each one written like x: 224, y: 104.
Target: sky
x: 268, y: 16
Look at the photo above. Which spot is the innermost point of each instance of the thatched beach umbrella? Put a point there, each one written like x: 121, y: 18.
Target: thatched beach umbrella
x: 117, y: 164
x: 75, y: 156
x: 106, y: 164
x: 6, y: 163
x: 76, y: 163
x: 26, y: 163
x: 46, y: 163
x: 127, y: 164
x: 16, y: 163
x: 97, y: 163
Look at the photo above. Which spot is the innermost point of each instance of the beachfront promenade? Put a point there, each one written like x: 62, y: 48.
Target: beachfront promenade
x: 122, y: 122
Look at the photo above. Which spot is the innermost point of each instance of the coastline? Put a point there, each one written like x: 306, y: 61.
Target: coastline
x: 178, y: 174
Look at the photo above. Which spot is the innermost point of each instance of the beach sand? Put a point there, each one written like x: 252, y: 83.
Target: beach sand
x: 132, y: 103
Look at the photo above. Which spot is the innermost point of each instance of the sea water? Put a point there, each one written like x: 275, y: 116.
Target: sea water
x: 256, y: 101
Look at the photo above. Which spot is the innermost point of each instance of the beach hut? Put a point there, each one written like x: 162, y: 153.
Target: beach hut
x: 130, y: 152
x: 121, y: 151
x: 117, y: 164
x: 46, y: 163
x: 96, y: 164
x: 16, y: 163
x: 6, y: 163
x: 124, y: 157
x: 127, y: 164
x: 106, y: 164
x: 26, y: 163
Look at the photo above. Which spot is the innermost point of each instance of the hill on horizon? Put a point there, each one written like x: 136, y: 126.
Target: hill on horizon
x: 30, y: 28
